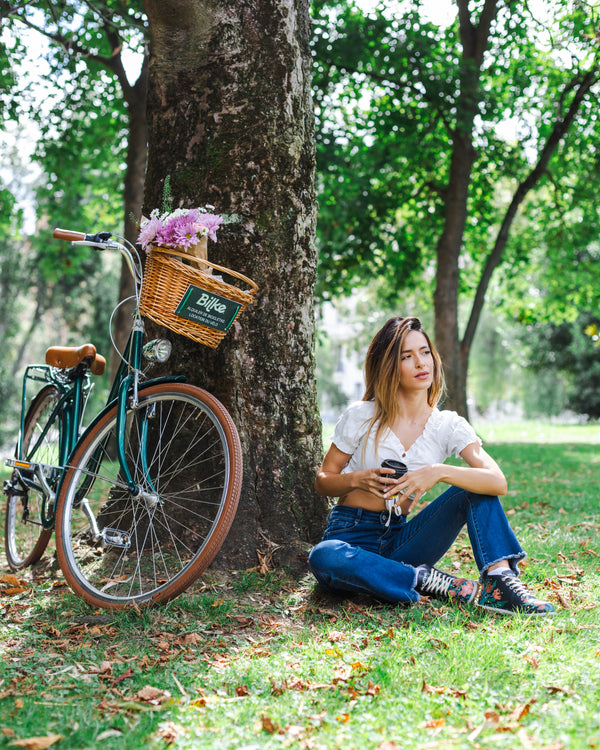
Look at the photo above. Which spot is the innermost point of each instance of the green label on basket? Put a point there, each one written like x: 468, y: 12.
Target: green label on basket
x: 207, y: 308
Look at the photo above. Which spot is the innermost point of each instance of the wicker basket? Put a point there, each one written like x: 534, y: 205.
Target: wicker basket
x: 177, y: 294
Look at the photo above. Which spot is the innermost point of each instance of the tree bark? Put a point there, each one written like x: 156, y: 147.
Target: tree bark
x: 231, y: 124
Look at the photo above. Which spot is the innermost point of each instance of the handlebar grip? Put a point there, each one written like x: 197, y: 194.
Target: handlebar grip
x: 68, y: 234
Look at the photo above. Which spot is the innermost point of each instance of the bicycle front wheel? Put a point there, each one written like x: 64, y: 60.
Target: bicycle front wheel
x: 24, y: 536
x: 121, y: 546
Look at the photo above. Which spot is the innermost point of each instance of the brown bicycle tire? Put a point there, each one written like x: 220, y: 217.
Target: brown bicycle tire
x: 47, y: 395
x: 161, y: 394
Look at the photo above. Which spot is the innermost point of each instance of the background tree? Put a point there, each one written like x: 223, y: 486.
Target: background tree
x: 230, y: 93
x: 421, y: 182
x: 99, y: 105
x: 571, y: 352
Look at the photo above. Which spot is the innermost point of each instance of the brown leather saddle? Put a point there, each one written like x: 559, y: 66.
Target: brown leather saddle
x: 66, y: 357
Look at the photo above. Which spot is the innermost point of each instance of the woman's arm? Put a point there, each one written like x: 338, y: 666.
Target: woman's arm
x: 482, y: 475
x: 332, y: 483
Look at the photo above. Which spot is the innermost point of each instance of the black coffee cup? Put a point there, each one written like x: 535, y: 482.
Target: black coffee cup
x: 399, y: 468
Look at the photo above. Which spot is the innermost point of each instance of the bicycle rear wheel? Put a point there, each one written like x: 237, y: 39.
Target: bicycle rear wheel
x: 119, y: 548
x: 24, y: 537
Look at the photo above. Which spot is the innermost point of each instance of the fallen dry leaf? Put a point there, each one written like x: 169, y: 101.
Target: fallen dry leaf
x: 149, y: 694
x: 269, y: 725
x: 520, y: 711
x: 11, y: 585
x: 191, y: 639
x: 532, y: 661
x: 373, y: 689
x: 243, y: 622
x: 433, y: 723
x: 105, y: 668
x: 431, y: 689
x: 558, y: 689
x: 11, y: 580
x: 128, y: 672
x: 38, y: 743
x: 169, y: 732
x: 492, y: 716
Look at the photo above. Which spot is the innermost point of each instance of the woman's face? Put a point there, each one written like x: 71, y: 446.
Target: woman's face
x: 416, y: 362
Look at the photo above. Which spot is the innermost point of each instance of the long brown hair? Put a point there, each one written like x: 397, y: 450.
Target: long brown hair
x: 382, y: 371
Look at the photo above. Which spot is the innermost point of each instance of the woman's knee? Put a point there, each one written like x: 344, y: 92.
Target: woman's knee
x: 327, y: 555
x: 470, y: 499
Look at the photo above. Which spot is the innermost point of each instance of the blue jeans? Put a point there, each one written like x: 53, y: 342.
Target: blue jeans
x: 359, y: 553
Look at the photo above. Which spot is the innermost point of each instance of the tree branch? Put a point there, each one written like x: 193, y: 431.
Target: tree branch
x: 71, y: 47
x: 396, y: 86
x: 583, y: 84
x: 68, y: 45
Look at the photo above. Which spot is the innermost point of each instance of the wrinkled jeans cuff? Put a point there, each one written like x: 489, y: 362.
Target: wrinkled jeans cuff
x: 513, y: 561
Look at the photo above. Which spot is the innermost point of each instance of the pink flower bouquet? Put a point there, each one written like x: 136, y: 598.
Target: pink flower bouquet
x: 181, y: 228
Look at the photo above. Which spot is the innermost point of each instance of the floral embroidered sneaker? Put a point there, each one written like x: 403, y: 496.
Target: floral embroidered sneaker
x: 440, y: 585
x: 505, y: 593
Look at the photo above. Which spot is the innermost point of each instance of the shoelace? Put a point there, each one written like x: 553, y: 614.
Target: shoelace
x: 437, y: 582
x: 518, y: 587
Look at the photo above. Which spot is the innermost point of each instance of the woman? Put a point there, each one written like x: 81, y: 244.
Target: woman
x: 369, y: 545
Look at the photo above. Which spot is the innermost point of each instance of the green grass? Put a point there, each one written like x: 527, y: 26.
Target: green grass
x: 265, y: 661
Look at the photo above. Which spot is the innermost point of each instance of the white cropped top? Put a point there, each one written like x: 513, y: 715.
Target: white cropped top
x: 445, y: 434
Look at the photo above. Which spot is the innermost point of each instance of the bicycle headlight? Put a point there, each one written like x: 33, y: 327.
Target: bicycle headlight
x: 157, y: 350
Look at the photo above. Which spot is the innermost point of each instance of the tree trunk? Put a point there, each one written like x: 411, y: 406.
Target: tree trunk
x: 133, y: 197
x: 446, y: 293
x: 231, y: 124
x: 454, y: 353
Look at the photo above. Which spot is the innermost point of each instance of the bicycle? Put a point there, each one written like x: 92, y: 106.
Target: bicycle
x: 143, y: 497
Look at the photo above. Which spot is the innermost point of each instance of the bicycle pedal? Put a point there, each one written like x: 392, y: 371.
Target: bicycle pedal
x: 17, y: 464
x: 116, y: 538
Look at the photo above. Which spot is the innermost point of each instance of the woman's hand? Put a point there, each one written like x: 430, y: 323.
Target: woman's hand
x: 411, y: 487
x: 331, y: 482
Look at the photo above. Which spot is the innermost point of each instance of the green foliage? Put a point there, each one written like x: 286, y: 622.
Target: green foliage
x: 75, y: 97
x: 14, y: 264
x: 7, y: 85
x: 389, y: 114
x: 570, y: 350
x: 379, y: 207
x: 82, y: 152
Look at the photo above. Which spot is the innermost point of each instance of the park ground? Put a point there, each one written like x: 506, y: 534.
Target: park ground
x: 258, y: 659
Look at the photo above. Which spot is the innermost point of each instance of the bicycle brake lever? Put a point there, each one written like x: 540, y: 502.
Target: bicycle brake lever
x: 98, y: 237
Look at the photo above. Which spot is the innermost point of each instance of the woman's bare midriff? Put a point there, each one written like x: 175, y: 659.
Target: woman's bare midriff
x: 361, y: 499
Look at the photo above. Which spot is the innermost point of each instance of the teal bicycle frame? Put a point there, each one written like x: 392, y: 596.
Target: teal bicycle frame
x: 68, y: 413
x: 124, y: 392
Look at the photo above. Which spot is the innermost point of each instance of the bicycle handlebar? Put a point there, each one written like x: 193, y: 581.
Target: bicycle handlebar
x: 72, y: 236
x: 102, y: 241
x: 67, y: 234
